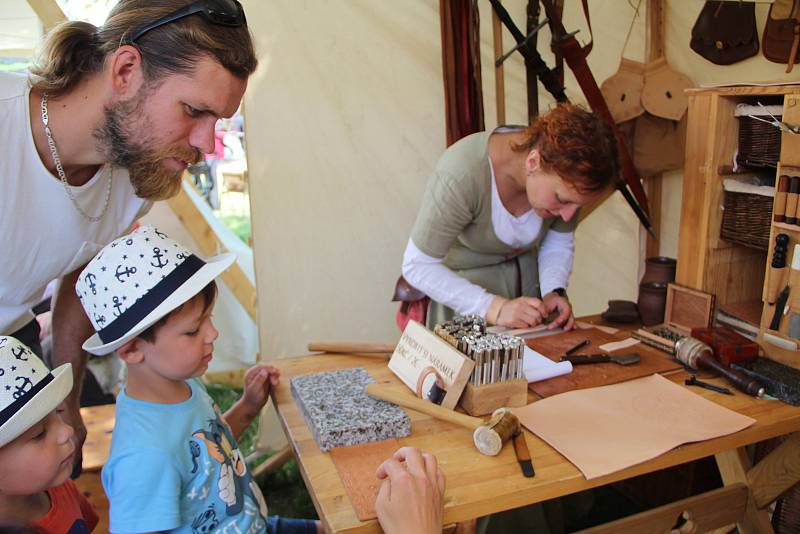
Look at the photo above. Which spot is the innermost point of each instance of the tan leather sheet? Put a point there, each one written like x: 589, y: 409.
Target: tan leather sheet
x: 605, y: 429
x: 357, y: 466
x: 596, y: 374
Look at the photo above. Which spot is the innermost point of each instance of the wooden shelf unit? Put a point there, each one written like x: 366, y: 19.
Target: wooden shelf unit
x: 732, y: 272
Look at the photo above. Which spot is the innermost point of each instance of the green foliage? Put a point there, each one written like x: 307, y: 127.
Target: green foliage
x: 286, y: 493
x: 15, y: 66
x: 239, y: 224
x: 225, y: 397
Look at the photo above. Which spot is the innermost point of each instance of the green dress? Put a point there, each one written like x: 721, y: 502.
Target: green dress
x: 455, y: 223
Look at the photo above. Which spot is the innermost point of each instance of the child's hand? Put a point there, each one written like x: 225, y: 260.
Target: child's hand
x: 257, y: 382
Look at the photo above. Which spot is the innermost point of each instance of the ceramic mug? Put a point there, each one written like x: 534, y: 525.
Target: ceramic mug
x: 652, y: 301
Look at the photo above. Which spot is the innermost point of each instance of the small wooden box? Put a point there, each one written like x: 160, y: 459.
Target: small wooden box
x: 483, y: 400
x: 729, y: 347
x: 685, y: 310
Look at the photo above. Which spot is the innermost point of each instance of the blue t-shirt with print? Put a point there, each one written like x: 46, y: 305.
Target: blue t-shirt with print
x: 177, y: 468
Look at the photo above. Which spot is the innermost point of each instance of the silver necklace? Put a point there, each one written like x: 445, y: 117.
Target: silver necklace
x: 62, y: 175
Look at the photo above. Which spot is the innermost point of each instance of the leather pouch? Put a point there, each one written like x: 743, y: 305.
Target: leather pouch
x: 782, y: 32
x: 413, y: 303
x: 725, y: 32
x: 621, y: 311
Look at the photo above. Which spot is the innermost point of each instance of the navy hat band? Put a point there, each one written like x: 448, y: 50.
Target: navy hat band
x: 24, y: 397
x: 150, y: 300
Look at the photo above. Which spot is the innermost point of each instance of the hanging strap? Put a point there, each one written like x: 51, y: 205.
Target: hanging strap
x: 575, y: 55
x: 547, y: 76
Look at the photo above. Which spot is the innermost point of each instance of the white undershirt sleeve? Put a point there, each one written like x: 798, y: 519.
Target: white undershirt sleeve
x: 555, y: 260
x: 436, y: 280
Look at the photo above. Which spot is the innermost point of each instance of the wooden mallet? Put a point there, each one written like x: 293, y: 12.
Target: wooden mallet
x: 488, y: 436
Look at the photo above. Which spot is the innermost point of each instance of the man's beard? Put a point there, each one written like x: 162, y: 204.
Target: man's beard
x: 126, y: 140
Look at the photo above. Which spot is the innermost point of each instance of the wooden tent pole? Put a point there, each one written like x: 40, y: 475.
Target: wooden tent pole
x: 655, y: 50
x: 499, y: 74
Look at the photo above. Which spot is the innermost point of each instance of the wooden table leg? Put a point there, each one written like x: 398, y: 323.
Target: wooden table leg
x: 776, y: 473
x: 733, y: 466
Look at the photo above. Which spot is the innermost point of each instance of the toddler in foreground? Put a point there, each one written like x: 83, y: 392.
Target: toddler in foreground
x: 37, y: 449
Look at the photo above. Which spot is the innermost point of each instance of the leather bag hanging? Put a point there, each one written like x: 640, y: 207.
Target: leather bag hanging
x: 623, y: 91
x: 725, y: 32
x: 782, y: 33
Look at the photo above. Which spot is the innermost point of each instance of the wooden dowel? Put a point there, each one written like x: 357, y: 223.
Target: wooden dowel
x: 351, y: 347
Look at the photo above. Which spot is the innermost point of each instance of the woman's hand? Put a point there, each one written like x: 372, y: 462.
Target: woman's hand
x: 411, y: 495
x: 554, y: 302
x: 521, y: 312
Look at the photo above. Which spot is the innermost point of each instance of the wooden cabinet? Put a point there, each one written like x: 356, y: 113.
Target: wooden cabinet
x: 734, y: 273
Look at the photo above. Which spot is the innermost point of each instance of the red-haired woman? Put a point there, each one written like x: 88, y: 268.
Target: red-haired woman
x: 495, y: 232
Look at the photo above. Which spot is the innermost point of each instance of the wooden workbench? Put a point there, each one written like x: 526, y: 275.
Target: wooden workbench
x: 478, y: 485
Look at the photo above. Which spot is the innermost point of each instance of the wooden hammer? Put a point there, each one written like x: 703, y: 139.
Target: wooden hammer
x: 488, y: 436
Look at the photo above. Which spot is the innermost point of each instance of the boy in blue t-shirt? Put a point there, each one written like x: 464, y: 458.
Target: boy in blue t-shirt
x: 174, y: 463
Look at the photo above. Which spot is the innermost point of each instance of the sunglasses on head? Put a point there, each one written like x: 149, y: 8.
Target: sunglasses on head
x: 219, y: 12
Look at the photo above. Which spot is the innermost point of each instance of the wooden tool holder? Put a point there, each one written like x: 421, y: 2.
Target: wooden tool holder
x: 778, y: 344
x: 685, y: 309
x: 483, y: 400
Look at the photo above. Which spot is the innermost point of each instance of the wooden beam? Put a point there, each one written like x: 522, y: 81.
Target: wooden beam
x: 197, y: 226
x: 776, y: 473
x: 733, y: 466
x: 655, y: 30
x: 701, y: 513
x: 655, y: 50
x: 274, y: 462
x: 499, y: 73
x: 49, y: 12
x: 653, y: 188
x: 17, y: 52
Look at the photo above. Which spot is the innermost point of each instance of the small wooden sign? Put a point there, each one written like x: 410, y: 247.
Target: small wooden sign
x: 432, y: 368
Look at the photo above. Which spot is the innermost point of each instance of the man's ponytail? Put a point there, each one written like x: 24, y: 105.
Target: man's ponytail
x: 70, y: 52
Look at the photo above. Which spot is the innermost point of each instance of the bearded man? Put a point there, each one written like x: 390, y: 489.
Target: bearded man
x: 105, y: 124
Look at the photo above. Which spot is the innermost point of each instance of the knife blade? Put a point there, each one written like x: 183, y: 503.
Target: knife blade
x: 780, y: 304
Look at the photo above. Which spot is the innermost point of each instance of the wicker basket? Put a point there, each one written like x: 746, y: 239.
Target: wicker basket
x: 759, y: 142
x: 746, y: 219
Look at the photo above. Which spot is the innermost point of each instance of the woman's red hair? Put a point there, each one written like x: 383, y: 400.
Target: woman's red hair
x: 576, y: 144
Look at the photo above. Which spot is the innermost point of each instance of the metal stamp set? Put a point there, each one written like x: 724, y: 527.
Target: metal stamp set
x: 497, y: 357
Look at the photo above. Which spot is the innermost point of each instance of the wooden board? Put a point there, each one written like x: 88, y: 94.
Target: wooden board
x: 596, y: 374
x: 356, y: 466
x: 99, y: 421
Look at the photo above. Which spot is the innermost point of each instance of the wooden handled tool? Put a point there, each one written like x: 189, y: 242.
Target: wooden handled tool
x: 791, y: 200
x: 698, y: 355
x: 488, y: 436
x: 777, y: 268
x: 351, y: 347
x: 780, y: 199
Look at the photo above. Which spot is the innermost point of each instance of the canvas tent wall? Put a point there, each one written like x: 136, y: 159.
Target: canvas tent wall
x: 345, y: 119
